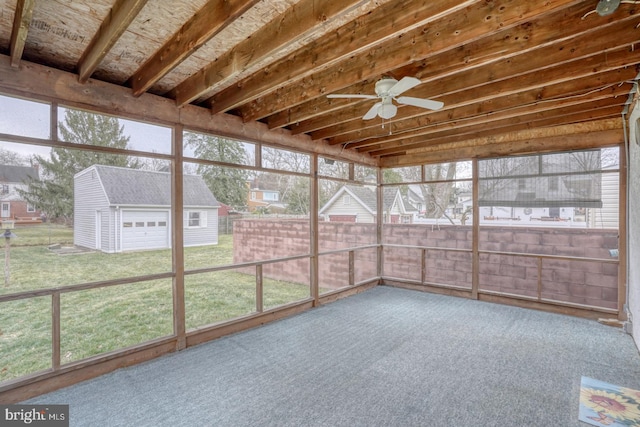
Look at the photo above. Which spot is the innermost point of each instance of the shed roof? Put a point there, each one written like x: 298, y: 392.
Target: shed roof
x: 125, y: 186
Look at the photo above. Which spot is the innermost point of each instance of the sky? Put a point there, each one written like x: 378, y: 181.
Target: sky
x: 29, y: 118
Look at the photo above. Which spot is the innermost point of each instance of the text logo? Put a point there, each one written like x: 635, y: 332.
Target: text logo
x: 34, y: 415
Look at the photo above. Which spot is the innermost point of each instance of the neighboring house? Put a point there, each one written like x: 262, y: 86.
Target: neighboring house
x: 12, y: 205
x: 541, y: 187
x: 414, y: 197
x: 120, y: 209
x: 608, y: 215
x: 358, y: 204
x: 263, y: 198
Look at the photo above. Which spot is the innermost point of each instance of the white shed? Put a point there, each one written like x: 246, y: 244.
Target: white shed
x: 121, y: 209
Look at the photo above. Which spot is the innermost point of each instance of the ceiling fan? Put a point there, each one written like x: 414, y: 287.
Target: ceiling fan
x: 388, y: 89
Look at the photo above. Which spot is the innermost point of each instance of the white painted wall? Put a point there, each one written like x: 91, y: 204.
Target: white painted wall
x: 633, y: 221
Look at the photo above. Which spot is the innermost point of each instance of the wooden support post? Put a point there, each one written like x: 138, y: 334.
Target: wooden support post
x: 423, y: 265
x: 55, y: 330
x: 177, y: 242
x: 259, y: 289
x: 313, y: 227
x: 475, y: 239
x: 7, y: 260
x: 53, y: 121
x: 539, y: 278
x: 379, y: 221
x: 352, y: 268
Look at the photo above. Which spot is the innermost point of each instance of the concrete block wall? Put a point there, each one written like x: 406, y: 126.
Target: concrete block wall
x: 591, y: 283
x: 262, y: 239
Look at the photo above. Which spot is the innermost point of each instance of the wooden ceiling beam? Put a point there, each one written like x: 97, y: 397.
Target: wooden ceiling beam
x: 48, y: 84
x: 297, y: 21
x: 21, y: 21
x: 444, y: 34
x: 488, y: 101
x: 577, y: 69
x: 392, y: 19
x: 557, y: 117
x: 451, y: 79
x: 115, y: 23
x: 512, y: 102
x: 519, y: 136
x: 486, y: 148
x: 212, y: 18
x: 597, y: 100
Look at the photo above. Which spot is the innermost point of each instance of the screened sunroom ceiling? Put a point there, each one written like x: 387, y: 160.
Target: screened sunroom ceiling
x: 514, y: 76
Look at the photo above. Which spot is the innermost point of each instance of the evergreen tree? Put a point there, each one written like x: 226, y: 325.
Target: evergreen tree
x: 53, y: 194
x: 227, y: 184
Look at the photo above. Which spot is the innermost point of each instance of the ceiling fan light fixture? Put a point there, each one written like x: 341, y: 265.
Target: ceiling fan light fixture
x: 607, y: 7
x: 387, y: 110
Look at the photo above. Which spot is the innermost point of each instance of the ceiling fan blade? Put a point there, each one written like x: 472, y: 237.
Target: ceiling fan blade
x: 420, y: 102
x: 349, y: 95
x: 373, y: 111
x: 403, y: 85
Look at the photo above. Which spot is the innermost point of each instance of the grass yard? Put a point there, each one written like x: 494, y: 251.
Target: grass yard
x: 100, y: 320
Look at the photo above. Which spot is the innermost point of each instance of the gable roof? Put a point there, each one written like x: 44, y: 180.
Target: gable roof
x: 366, y: 197
x: 125, y: 186
x: 17, y: 174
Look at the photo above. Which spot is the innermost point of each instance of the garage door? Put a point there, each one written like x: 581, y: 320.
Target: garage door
x: 145, y: 230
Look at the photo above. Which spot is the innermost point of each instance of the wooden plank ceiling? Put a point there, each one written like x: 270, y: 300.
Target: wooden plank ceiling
x: 512, y: 74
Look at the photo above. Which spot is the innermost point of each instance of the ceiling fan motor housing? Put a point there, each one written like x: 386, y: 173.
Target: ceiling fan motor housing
x: 384, y: 85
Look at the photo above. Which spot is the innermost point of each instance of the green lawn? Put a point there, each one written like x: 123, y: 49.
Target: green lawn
x: 100, y: 320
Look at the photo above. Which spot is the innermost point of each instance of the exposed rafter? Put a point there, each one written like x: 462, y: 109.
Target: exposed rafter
x: 498, y: 67
x: 391, y: 20
x: 21, y: 21
x: 448, y: 32
x: 501, y: 55
x: 214, y: 16
x: 294, y: 24
x: 115, y: 23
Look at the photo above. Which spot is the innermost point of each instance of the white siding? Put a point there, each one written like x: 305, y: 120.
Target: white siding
x: 633, y: 222
x: 607, y: 216
x: 206, y: 235
x: 352, y: 208
x: 88, y: 197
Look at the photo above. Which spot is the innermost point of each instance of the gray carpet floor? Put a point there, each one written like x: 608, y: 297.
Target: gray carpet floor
x: 385, y: 357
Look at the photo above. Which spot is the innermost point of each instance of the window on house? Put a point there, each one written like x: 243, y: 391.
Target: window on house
x: 553, y: 183
x: 4, y: 189
x: 253, y: 195
x: 346, y: 200
x: 196, y: 219
x: 30, y: 208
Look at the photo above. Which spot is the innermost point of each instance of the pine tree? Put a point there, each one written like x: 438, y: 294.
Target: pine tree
x: 228, y: 185
x: 53, y: 194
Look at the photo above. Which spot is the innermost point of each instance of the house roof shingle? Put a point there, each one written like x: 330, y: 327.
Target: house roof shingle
x: 125, y: 186
x: 368, y: 196
x: 21, y: 174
